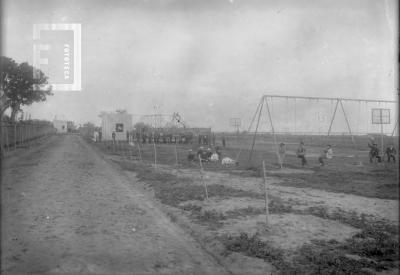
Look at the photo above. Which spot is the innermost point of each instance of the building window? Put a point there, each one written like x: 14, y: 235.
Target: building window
x: 119, y: 127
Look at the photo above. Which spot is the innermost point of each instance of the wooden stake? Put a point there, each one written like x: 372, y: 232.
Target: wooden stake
x: 201, y: 176
x: 266, y: 196
x: 140, y: 153
x: 155, y: 155
x: 15, y: 135
x: 176, y: 156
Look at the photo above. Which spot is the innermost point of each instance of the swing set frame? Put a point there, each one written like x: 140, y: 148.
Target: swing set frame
x: 339, y: 101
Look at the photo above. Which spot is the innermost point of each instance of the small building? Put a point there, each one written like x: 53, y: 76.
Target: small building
x: 60, y: 125
x: 119, y: 122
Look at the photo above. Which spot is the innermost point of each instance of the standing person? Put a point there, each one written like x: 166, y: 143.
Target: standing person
x: 223, y: 140
x: 96, y: 136
x: 391, y: 153
x: 191, y: 156
x: 200, y: 152
x: 100, y: 134
x: 327, y: 154
x: 282, y: 153
x: 113, y: 137
x: 208, y: 154
x: 301, y: 153
x: 219, y: 153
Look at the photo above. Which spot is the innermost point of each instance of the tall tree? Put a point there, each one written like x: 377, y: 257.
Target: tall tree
x: 8, y: 69
x: 22, y: 84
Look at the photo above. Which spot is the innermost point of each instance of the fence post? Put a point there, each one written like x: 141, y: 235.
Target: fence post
x: 140, y: 152
x: 1, y: 139
x: 7, y: 139
x: 201, y: 176
x: 15, y: 135
x: 155, y: 155
x: 176, y: 156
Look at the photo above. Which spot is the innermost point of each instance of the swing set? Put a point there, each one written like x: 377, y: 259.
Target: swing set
x: 267, y: 102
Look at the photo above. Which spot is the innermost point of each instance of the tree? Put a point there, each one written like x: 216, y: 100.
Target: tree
x: 21, y: 84
x: 8, y: 68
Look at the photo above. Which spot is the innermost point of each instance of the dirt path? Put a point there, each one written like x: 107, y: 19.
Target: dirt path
x: 66, y: 211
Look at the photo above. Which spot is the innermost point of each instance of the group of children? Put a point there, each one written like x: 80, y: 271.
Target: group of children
x: 205, y: 155
x: 374, y: 154
x: 327, y: 153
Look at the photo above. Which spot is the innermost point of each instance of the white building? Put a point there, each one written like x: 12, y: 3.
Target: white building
x: 119, y: 122
x: 60, y: 125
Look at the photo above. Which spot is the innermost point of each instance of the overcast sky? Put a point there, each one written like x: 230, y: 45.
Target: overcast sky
x: 212, y: 60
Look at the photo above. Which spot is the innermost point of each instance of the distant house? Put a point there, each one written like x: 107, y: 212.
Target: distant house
x: 60, y: 125
x: 119, y: 122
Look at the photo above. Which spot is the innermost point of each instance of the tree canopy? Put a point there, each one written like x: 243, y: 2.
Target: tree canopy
x: 21, y: 84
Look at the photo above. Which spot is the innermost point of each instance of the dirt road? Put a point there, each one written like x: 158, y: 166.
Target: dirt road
x: 65, y: 210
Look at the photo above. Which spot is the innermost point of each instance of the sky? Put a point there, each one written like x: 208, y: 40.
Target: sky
x: 212, y: 60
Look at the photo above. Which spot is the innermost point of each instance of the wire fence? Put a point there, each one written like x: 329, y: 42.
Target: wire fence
x: 19, y: 134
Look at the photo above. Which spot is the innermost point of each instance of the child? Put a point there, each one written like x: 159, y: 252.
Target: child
x: 391, y: 153
x: 327, y: 154
x: 208, y: 154
x: 301, y: 153
x: 113, y: 137
x: 218, y: 152
x: 282, y: 153
x: 191, y: 156
x: 374, y: 152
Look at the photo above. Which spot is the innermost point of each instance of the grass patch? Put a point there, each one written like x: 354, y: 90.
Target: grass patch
x: 375, y: 183
x: 243, y: 212
x: 317, y: 258
x: 351, y: 218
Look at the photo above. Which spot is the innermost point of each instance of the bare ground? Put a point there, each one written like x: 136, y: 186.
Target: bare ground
x: 67, y: 211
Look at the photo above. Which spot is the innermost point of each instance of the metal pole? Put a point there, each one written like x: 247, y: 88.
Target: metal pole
x: 351, y: 134
x: 333, y: 117
x: 251, y: 124
x: 273, y: 134
x: 255, y: 133
x: 331, y: 98
x: 395, y: 126
x: 381, y: 136
x: 266, y: 195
